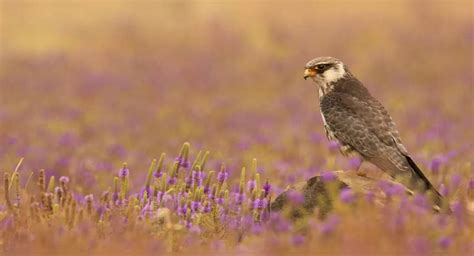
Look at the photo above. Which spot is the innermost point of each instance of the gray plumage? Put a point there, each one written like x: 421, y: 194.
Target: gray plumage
x: 362, y: 125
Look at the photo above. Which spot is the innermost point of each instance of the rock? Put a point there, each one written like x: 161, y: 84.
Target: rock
x: 320, y: 195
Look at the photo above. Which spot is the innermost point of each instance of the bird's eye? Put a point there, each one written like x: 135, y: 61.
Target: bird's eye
x: 321, y: 66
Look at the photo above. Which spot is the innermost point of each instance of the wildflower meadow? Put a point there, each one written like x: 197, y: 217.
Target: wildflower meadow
x: 186, y: 127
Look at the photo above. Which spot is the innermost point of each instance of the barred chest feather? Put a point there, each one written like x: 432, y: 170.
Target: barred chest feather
x: 345, y: 149
x: 323, y: 90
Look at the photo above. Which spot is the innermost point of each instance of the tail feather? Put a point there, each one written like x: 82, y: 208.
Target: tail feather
x: 427, y: 186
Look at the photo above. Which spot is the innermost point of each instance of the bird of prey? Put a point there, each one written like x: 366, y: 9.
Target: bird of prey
x: 361, y: 125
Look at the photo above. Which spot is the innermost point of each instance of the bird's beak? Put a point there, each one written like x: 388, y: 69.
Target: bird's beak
x: 309, y: 72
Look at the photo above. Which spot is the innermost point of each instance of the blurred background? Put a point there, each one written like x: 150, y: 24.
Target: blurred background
x: 86, y: 85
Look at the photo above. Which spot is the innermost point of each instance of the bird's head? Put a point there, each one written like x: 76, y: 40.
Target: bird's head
x: 325, y: 70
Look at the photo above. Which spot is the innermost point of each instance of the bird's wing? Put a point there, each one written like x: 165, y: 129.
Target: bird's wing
x: 382, y: 123
x: 363, y: 126
x: 376, y: 119
x: 343, y: 117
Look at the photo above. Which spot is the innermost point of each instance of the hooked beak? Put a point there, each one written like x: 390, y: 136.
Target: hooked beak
x: 309, y: 72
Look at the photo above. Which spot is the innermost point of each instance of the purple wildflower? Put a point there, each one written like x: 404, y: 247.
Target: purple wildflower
x: 159, y: 196
x: 370, y: 197
x: 207, y: 208
x: 442, y: 221
x: 235, y: 223
x: 100, y: 211
x: 195, y: 205
x: 182, y: 210
x: 211, y: 196
x: 7, y: 223
x: 118, y: 150
x: 398, y: 221
x: 189, y: 181
x: 58, y: 190
x: 195, y: 229
x: 183, y: 162
x: 239, y: 198
x: 355, y: 162
x: 295, y: 196
x: 457, y: 209
x: 267, y: 188
x: 455, y: 181
x: 64, y: 179
x: 256, y: 228
x: 398, y: 189
x: 334, y: 146
x: 206, y: 189
x: 421, y: 246
x: 197, y: 177
x: 329, y: 225
x: 421, y: 201
x: 316, y: 137
x: 189, y: 224
x: 260, y: 203
x: 291, y: 178
x: 146, y: 209
x: 347, y: 195
x: 146, y: 190
x: 222, y: 176
x: 444, y: 242
x: 327, y: 176
x: 279, y: 223
x: 124, y: 172
x: 171, y: 180
x: 453, y: 153
x: 115, y: 197
x: 247, y: 221
x: 68, y: 139
x: 435, y: 165
x: 298, y: 239
x: 158, y: 174
x: 251, y: 185
x: 220, y: 200
x: 254, y: 203
x: 391, y: 189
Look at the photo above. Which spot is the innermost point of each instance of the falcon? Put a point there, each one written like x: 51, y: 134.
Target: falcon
x: 362, y: 126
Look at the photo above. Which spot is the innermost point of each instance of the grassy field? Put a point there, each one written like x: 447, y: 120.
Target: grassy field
x: 86, y: 86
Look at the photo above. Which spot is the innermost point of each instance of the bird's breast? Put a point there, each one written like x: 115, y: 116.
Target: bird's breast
x: 345, y: 149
